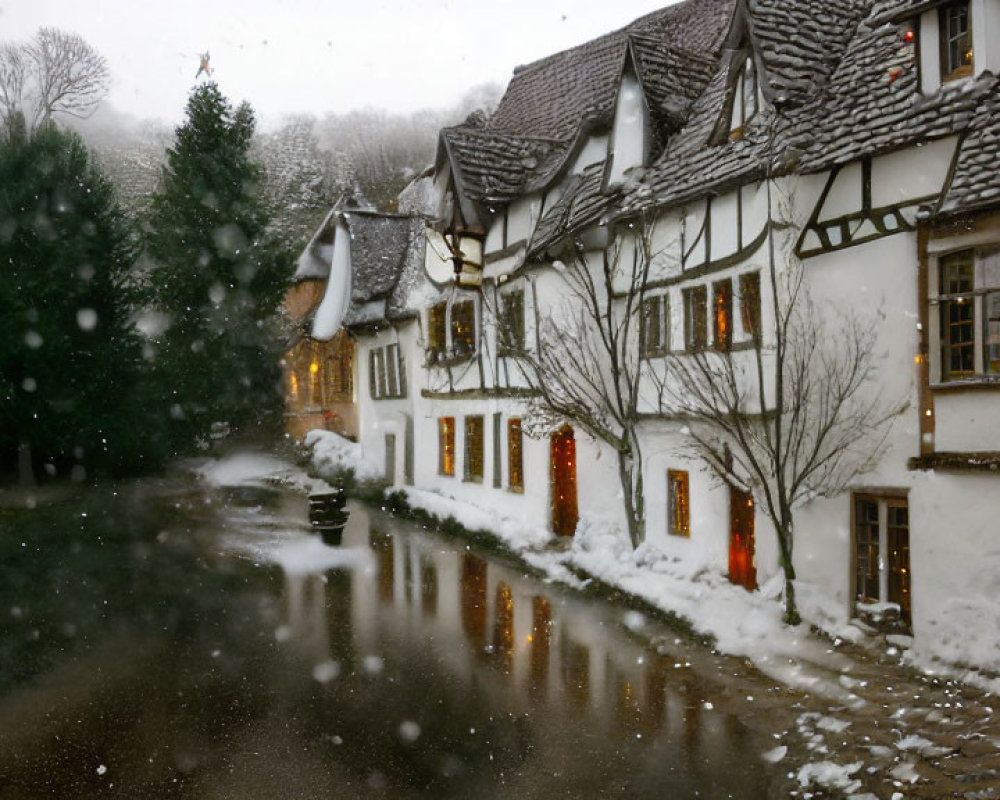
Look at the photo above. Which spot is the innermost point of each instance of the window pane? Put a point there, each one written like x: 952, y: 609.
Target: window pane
x: 515, y: 467
x: 866, y: 535
x: 678, y: 503
x: 373, y: 382
x: 436, y: 331
x: 957, y: 315
x: 392, y: 381
x: 749, y: 90
x: 898, y: 543
x: 722, y: 303
x: 651, y: 326
x: 512, y: 321
x: 446, y: 445
x: 474, y: 448
x: 695, y: 318
x: 956, y: 38
x: 750, y: 303
x: 463, y: 328
x: 991, y: 333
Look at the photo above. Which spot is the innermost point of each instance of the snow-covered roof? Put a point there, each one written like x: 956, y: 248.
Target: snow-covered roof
x: 840, y: 80
x: 551, y: 103
x: 373, y: 263
x: 313, y: 263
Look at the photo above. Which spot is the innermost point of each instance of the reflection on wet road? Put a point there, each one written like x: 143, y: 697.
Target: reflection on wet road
x: 172, y: 643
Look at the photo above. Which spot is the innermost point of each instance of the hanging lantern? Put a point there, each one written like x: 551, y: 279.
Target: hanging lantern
x: 467, y: 255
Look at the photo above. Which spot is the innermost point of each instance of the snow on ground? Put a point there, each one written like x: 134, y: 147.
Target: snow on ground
x: 830, y: 775
x: 741, y: 623
x: 255, y: 469
x: 331, y: 454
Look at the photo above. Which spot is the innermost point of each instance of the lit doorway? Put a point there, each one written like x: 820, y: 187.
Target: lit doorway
x: 565, y: 514
x: 742, y: 571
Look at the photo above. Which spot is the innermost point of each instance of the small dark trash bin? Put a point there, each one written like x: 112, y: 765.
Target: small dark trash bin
x: 328, y: 516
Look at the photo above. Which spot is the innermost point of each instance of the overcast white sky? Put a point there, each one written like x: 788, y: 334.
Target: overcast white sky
x: 288, y: 56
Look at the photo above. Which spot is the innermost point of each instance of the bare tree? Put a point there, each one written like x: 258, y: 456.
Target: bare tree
x: 53, y: 73
x: 13, y: 74
x: 586, y: 364
x: 798, y: 415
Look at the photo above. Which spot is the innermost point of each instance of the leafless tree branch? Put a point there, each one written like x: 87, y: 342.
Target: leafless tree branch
x: 53, y: 73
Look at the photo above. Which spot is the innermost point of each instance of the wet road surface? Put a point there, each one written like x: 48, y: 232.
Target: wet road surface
x: 170, y: 640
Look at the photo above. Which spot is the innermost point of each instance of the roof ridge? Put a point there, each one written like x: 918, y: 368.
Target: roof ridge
x: 500, y: 134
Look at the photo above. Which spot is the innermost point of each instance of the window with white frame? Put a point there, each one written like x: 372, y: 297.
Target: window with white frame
x: 474, y: 435
x: 696, y: 318
x: 678, y: 503
x: 750, y: 304
x: 655, y: 331
x: 452, y: 330
x: 955, y: 32
x: 386, y: 372
x: 744, y: 99
x: 511, y: 321
x: 968, y: 301
x: 881, y: 553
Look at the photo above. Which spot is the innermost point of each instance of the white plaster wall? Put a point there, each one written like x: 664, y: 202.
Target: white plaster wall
x: 986, y: 35
x: 694, y: 239
x: 522, y: 214
x: 594, y: 151
x: 437, y: 263
x: 494, y: 236
x: 930, y: 52
x: 796, y: 198
x: 911, y: 173
x: 754, y: 197
x: 725, y: 226
x: 665, y: 243
x: 376, y: 418
x: 845, y: 196
x: 503, y: 266
x: 630, y: 131
x: 597, y: 482
x: 822, y: 552
x: 877, y: 282
x: 954, y: 522
x: 966, y: 422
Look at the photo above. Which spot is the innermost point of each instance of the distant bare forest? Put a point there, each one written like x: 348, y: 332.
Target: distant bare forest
x: 309, y: 161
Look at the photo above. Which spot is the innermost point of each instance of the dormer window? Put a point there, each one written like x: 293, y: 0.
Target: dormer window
x: 744, y: 99
x: 956, y: 41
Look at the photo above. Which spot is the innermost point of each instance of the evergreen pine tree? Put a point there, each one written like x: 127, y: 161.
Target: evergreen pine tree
x: 216, y: 277
x: 68, y: 355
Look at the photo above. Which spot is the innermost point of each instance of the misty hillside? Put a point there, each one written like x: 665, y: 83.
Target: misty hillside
x: 308, y: 161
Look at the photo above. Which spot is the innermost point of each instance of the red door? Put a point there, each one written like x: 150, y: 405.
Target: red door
x: 564, y: 509
x: 741, y: 546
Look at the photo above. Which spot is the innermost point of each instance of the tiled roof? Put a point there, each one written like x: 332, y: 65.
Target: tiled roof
x: 692, y: 165
x: 581, y: 204
x: 976, y: 181
x: 496, y: 166
x: 872, y: 103
x: 839, y: 75
x: 672, y: 79
x: 867, y: 104
x: 382, y: 246
x: 550, y: 101
x: 800, y: 43
x: 552, y: 97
